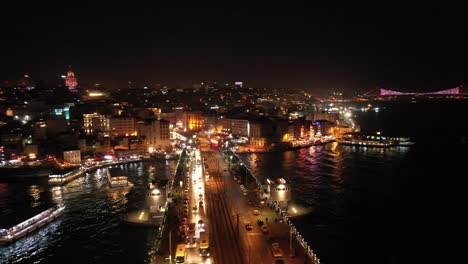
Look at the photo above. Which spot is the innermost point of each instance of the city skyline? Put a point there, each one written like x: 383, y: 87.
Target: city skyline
x: 274, y: 47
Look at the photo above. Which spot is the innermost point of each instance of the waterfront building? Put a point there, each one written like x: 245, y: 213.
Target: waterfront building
x: 240, y: 127
x: 299, y: 129
x: 72, y: 156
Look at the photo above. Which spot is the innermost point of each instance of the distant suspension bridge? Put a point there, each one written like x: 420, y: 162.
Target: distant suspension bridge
x: 381, y: 92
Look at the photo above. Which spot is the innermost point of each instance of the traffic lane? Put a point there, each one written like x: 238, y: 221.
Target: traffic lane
x: 226, y: 247
x: 257, y: 240
x: 192, y: 255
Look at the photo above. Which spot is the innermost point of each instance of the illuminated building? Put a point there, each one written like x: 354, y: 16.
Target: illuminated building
x: 122, y: 126
x: 72, y: 156
x: 193, y: 121
x: 63, y: 111
x: 70, y: 80
x: 94, y: 123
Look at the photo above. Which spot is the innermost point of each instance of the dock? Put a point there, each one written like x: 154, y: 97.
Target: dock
x: 61, y: 179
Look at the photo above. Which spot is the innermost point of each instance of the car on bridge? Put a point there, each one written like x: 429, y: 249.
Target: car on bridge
x: 276, y: 250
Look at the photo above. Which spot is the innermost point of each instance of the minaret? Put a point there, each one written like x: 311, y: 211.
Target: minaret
x: 71, y: 80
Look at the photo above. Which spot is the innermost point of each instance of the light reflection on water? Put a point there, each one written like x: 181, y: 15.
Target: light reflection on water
x: 90, y: 222
x: 329, y: 180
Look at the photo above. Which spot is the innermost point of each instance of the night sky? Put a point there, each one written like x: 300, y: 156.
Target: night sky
x: 304, y: 47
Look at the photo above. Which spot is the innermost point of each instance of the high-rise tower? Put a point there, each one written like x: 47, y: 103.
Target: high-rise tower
x: 71, y: 80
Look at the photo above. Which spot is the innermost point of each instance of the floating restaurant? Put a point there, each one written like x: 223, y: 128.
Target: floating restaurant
x: 117, y: 177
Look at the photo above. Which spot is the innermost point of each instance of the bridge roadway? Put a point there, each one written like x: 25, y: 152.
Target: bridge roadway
x: 254, y: 246
x: 225, y: 243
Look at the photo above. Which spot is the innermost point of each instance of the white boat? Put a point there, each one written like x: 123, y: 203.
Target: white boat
x: 9, y: 235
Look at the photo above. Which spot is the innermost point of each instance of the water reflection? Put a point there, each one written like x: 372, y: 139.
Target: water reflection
x: 328, y: 181
x: 90, y: 222
x: 35, y: 194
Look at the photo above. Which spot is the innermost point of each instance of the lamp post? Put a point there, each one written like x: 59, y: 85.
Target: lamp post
x: 170, y: 246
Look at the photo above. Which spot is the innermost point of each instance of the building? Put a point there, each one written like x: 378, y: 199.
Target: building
x: 323, y: 127
x: 31, y: 151
x: 72, y: 156
x: 55, y: 126
x: 70, y: 80
x: 240, y: 127
x: 11, y: 143
x: 226, y: 124
x: 259, y: 132
x: 193, y: 121
x: 299, y: 129
x: 155, y: 134
x: 332, y: 117
x: 122, y: 126
x: 94, y: 123
x: 40, y: 130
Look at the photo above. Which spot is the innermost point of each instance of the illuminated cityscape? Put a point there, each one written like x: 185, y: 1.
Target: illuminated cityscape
x: 283, y: 135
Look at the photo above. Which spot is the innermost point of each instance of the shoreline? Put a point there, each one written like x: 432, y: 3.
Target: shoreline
x: 281, y: 149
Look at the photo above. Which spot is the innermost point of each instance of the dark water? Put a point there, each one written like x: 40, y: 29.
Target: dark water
x: 89, y: 230
x: 372, y: 205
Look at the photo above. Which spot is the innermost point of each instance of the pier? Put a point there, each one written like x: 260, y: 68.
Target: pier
x: 62, y: 179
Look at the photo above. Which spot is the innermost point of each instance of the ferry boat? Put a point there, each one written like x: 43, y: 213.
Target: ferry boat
x: 61, y: 179
x: 366, y: 143
x: 117, y: 177
x: 14, y: 233
x: 374, y: 141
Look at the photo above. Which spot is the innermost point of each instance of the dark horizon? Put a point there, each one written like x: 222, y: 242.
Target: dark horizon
x: 314, y: 49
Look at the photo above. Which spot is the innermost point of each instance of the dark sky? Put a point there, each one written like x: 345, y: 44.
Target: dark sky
x: 300, y: 47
